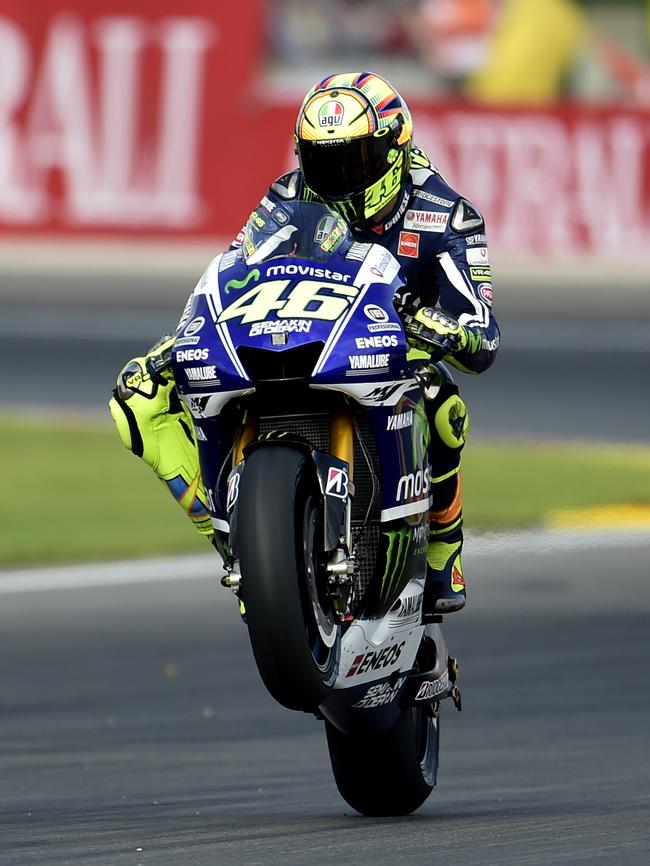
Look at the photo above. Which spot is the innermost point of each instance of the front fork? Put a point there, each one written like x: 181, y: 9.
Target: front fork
x: 340, y: 565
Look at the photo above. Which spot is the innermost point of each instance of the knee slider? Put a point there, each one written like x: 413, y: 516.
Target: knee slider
x: 451, y: 421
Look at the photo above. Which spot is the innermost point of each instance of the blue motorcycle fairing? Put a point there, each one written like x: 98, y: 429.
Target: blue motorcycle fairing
x: 345, y: 309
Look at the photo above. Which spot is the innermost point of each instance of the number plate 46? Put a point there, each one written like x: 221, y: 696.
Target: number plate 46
x: 308, y: 299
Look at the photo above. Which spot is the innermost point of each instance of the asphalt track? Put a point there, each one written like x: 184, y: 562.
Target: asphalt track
x: 134, y: 730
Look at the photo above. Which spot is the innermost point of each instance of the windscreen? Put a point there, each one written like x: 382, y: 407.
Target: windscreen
x: 307, y: 230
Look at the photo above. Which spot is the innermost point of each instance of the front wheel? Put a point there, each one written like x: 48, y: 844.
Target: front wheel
x: 391, y: 773
x: 292, y: 626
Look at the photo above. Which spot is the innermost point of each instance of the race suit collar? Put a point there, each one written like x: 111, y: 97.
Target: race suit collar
x: 395, y: 216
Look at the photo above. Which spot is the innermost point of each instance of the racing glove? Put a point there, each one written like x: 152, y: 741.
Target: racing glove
x: 436, y: 332
x: 155, y: 425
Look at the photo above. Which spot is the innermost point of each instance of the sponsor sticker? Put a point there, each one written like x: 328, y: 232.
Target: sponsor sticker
x: 385, y: 326
x: 409, y: 245
x: 358, y: 251
x: 194, y: 326
x: 380, y: 694
x: 398, y: 215
x: 415, y: 484
x: 281, y: 326
x: 337, y: 483
x: 434, y: 199
x: 478, y: 256
x: 324, y: 227
x: 426, y: 220
x: 485, y: 292
x: 432, y: 688
x: 377, y: 314
x: 201, y: 374
x: 233, y: 490
x: 409, y: 606
x: 475, y: 240
x: 481, y: 274
x: 192, y: 355
x: 368, y: 362
x: 306, y: 271
x: 400, y: 421
x: 375, y: 342
x: 376, y: 659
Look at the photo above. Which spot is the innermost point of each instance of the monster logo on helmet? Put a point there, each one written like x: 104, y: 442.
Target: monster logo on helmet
x: 353, y: 141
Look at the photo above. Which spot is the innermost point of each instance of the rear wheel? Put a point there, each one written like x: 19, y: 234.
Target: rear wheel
x: 293, y: 630
x: 391, y: 773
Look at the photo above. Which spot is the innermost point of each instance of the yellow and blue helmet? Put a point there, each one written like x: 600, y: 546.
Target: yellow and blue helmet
x: 353, y: 140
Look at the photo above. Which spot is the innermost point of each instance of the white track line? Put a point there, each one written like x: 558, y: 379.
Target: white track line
x: 208, y: 565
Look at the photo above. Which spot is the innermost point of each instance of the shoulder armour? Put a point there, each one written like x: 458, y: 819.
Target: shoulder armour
x: 288, y: 185
x: 466, y: 218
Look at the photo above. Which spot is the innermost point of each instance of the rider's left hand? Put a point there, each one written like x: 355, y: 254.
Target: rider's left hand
x: 436, y: 332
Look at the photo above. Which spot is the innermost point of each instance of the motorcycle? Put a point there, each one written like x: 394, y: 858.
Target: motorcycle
x: 313, y: 443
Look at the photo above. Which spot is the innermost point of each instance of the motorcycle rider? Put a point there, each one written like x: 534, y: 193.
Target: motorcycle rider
x: 354, y: 145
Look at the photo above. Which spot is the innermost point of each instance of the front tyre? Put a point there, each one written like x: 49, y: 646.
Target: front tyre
x: 293, y: 630
x: 391, y: 773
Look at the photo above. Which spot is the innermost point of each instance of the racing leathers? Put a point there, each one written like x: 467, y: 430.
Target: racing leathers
x: 438, y: 238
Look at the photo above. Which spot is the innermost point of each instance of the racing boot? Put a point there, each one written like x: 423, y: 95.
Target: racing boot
x: 444, y: 588
x: 156, y: 426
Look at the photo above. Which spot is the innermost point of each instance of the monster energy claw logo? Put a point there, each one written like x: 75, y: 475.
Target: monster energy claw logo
x: 241, y: 284
x: 399, y: 543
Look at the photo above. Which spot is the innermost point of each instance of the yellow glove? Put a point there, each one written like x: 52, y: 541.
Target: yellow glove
x: 435, y: 332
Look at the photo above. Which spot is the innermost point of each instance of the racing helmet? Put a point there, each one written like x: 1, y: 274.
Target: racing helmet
x: 353, y: 140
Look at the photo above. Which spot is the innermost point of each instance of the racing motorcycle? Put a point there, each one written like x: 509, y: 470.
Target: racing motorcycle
x: 313, y: 442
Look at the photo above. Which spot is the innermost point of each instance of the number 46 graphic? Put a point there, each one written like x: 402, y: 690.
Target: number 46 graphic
x: 307, y: 300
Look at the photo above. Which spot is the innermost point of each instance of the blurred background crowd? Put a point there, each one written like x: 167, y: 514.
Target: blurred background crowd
x: 530, y: 52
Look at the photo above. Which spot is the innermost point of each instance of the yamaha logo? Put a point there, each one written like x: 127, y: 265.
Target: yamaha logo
x: 377, y: 314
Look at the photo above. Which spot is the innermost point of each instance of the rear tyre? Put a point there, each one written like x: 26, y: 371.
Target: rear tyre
x: 391, y: 773
x: 293, y: 630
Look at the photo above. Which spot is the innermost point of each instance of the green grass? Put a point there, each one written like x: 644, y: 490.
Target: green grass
x: 71, y: 492
x: 74, y: 493
x: 515, y: 484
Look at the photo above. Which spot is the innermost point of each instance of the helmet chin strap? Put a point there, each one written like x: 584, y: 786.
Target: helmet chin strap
x: 387, y: 210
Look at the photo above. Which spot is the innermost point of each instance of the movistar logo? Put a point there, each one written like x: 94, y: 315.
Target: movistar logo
x: 251, y: 276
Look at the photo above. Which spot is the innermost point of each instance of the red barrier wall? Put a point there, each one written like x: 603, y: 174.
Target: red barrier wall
x: 150, y: 122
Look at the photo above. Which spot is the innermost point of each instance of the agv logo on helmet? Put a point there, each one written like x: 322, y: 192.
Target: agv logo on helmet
x: 331, y: 114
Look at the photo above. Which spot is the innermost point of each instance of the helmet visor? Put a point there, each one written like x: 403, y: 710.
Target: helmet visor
x: 339, y: 168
